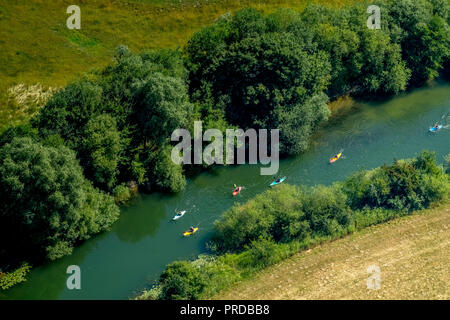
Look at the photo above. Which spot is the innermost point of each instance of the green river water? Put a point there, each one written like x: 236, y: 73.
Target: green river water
x: 117, y: 264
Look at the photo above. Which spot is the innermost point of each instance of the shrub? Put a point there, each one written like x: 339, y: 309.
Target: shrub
x: 181, y: 280
x: 10, y: 279
x: 326, y: 211
x: 404, y: 185
x: 121, y: 194
x: 447, y: 163
x: 267, y: 215
x: 262, y: 253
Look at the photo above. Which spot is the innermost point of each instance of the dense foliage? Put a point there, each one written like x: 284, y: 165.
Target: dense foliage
x: 10, y: 279
x: 286, y: 219
x: 272, y: 71
x: 47, y: 204
x: 295, y: 214
x: 111, y: 129
x: 122, y: 117
x: 247, y: 70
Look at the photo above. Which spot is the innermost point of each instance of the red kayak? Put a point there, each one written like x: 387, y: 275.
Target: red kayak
x: 236, y: 191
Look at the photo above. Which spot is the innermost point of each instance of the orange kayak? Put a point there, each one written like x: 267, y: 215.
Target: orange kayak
x: 236, y: 191
x: 336, y: 157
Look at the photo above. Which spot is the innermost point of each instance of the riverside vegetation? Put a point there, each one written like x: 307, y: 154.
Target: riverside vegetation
x: 282, y: 221
x: 63, y: 173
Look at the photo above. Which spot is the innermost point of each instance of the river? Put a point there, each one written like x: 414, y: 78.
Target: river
x: 118, y: 263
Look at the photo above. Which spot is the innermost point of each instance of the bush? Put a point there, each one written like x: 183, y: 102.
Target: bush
x: 447, y: 163
x: 10, y: 279
x: 326, y: 211
x: 121, y: 194
x: 405, y: 185
x: 263, y: 253
x: 181, y: 280
x: 267, y: 215
x: 284, y: 214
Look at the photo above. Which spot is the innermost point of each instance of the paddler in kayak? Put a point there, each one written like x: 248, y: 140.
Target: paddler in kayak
x: 190, y: 232
x: 277, y: 181
x: 237, y: 190
x: 336, y: 157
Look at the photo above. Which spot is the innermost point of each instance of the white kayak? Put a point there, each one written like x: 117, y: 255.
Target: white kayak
x: 179, y: 215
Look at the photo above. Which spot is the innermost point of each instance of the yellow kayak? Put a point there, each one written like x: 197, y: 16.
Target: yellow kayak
x: 189, y: 232
x: 336, y: 157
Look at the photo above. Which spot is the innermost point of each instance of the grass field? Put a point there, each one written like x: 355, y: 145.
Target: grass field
x: 413, y: 254
x: 36, y: 46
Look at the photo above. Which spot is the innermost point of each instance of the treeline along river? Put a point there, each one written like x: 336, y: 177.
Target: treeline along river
x: 117, y: 264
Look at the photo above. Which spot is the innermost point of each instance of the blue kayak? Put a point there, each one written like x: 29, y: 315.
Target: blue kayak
x: 277, y: 181
x: 434, y: 129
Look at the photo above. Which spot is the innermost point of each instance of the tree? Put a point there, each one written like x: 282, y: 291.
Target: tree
x: 420, y: 27
x: 47, y: 205
x: 68, y: 111
x: 162, y: 106
x: 383, y: 70
x: 162, y: 173
x: 329, y: 30
x: 101, y: 151
x: 298, y: 122
x: 253, y: 69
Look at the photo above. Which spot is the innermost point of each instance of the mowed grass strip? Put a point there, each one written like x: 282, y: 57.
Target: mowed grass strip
x: 413, y: 254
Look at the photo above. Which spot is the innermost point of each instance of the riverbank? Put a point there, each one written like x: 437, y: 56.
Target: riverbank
x: 285, y: 220
x: 144, y: 240
x: 70, y: 120
x: 413, y: 254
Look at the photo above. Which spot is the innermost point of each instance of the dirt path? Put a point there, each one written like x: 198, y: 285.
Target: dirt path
x: 413, y: 255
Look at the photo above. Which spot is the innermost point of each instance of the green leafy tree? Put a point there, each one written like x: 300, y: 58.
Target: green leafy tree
x: 47, y: 205
x: 163, y: 106
x: 383, y: 70
x: 258, y: 74
x: 101, y: 151
x: 420, y: 27
x: 68, y: 111
x: 162, y: 173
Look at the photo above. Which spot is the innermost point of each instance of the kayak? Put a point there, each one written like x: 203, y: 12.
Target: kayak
x: 434, y: 129
x: 189, y: 233
x: 336, y: 157
x: 277, y: 182
x: 237, y: 191
x: 179, y: 215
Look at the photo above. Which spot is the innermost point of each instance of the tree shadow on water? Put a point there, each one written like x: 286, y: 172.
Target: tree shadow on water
x: 144, y: 217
